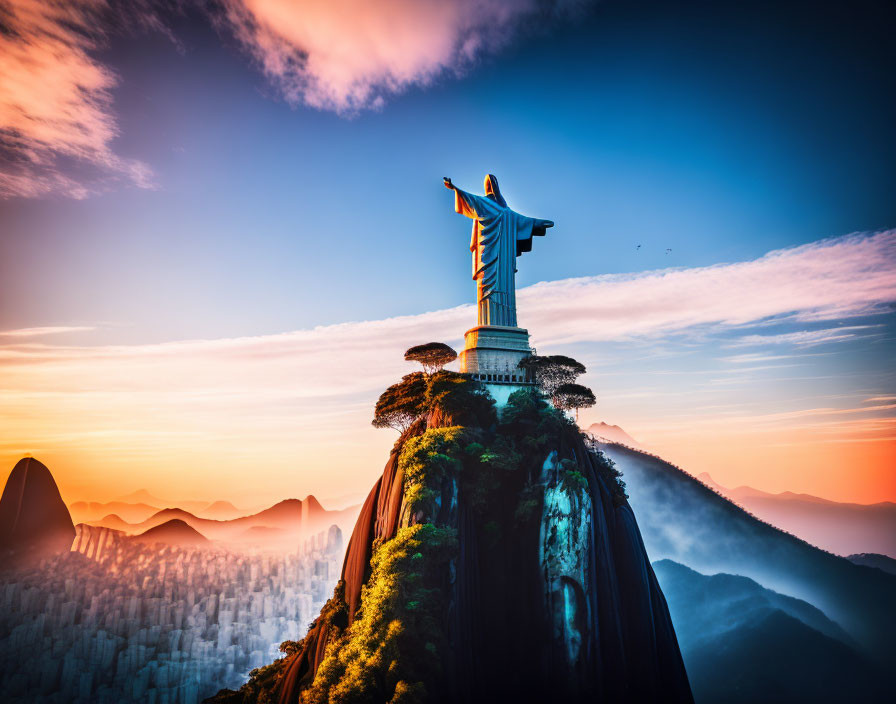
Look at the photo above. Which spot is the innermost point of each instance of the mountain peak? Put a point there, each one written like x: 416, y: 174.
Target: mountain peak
x: 711, y: 483
x: 33, y: 517
x: 612, y: 433
x: 221, y: 511
x: 173, y: 532
x: 311, y: 504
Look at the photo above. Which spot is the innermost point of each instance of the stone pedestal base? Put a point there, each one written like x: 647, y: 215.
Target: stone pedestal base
x: 491, y: 354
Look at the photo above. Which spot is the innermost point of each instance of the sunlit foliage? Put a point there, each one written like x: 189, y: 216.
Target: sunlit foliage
x: 402, y: 403
x: 392, y: 651
x: 426, y: 461
x: 432, y: 356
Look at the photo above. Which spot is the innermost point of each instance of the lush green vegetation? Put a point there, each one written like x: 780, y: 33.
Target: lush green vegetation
x: 432, y: 356
x: 402, y: 403
x: 393, y: 650
x: 426, y: 461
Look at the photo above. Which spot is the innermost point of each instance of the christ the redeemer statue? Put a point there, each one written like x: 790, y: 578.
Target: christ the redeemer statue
x: 500, y: 235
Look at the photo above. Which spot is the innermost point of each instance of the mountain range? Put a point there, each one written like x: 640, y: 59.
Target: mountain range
x: 744, y: 643
x: 842, y: 528
x: 839, y: 527
x: 285, y: 522
x: 140, y: 505
x: 683, y: 520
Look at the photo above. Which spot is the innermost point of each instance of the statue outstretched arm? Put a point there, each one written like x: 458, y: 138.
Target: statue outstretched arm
x: 470, y: 205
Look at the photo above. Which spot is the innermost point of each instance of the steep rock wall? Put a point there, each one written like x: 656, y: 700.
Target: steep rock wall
x: 542, y: 589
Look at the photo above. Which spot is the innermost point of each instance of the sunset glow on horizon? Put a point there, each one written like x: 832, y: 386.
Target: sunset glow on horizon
x: 223, y: 226
x: 739, y: 384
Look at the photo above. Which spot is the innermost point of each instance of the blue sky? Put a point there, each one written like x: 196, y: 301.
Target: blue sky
x: 231, y: 206
x: 708, y: 130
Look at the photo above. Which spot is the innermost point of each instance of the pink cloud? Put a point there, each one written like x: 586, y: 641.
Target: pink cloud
x: 347, y: 55
x: 56, y: 100
x: 837, y: 278
x: 55, y: 330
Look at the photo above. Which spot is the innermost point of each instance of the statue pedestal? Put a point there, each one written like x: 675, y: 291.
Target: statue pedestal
x: 491, y: 354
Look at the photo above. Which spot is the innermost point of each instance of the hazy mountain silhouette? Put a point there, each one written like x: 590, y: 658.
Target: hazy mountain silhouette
x: 34, y: 520
x: 843, y: 528
x: 145, y: 497
x: 683, y: 520
x: 141, y: 496
x: 870, y: 559
x: 114, y: 522
x: 86, y: 511
x: 744, y: 643
x: 286, y: 521
x: 221, y: 511
x: 611, y: 433
x: 173, y: 532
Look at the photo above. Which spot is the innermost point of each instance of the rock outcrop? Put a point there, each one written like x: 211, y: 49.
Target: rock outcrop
x: 496, y: 559
x: 34, y: 521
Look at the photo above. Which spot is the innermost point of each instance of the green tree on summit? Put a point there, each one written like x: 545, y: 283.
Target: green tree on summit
x: 432, y: 356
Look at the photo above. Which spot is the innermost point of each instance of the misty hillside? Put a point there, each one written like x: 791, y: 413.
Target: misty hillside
x: 870, y: 559
x: 683, y: 520
x: 744, y: 643
x: 842, y: 528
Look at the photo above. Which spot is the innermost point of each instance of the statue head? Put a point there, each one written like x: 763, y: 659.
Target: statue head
x: 492, y: 191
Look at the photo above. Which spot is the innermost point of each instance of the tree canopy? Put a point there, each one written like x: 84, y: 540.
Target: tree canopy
x: 402, y: 403
x: 569, y: 396
x: 432, y: 356
x: 552, y: 371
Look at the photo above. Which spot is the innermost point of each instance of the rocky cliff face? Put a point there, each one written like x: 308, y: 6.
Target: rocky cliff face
x: 34, y: 521
x: 496, y: 559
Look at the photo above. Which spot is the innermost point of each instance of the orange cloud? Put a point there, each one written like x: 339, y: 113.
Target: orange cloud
x: 347, y: 55
x: 56, y: 100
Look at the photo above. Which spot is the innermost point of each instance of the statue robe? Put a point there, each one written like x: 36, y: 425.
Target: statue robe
x: 500, y: 235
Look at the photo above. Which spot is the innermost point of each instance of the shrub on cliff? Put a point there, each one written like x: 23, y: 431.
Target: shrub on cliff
x: 393, y: 650
x: 460, y: 400
x: 426, y: 460
x: 402, y: 403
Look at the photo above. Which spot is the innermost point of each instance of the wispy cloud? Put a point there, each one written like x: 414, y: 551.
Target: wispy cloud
x: 56, y: 101
x: 803, y: 338
x: 37, y: 332
x: 848, y: 276
x: 754, y: 357
x: 347, y: 55
x: 272, y: 398
x: 57, y: 120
